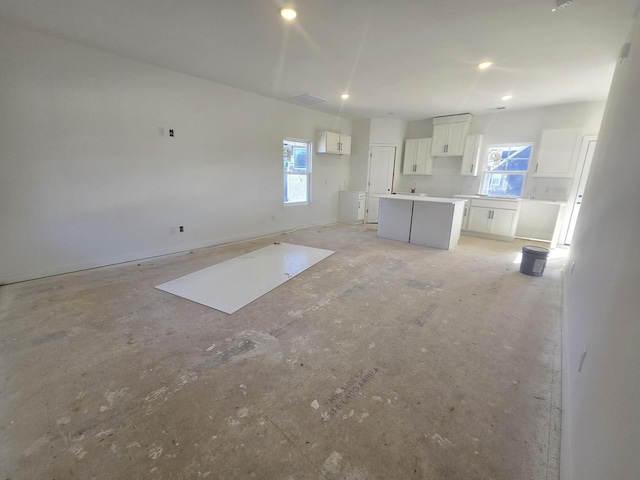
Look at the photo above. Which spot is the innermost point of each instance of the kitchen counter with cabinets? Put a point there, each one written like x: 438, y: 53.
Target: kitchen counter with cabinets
x: 505, y: 218
x: 430, y: 221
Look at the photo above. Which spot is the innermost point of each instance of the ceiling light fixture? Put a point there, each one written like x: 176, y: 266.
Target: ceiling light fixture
x: 507, y: 97
x: 484, y: 65
x: 344, y: 96
x: 288, y: 13
x: 560, y: 4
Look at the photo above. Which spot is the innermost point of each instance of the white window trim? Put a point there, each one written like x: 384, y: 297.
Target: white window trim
x: 486, y: 171
x: 307, y: 172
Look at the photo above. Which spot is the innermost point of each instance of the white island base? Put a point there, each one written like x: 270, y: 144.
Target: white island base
x: 429, y: 221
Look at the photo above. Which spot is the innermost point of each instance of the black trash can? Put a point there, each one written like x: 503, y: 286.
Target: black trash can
x: 534, y: 259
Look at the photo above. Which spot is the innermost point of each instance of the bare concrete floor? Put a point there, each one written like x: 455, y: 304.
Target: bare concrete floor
x: 385, y: 361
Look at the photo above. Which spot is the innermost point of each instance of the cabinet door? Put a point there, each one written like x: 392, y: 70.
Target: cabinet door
x: 345, y: 145
x: 471, y: 156
x: 410, y: 156
x: 455, y: 138
x: 424, y: 160
x: 465, y: 216
x: 361, y: 209
x: 439, y: 140
x: 328, y: 142
x: 503, y: 222
x: 556, y: 154
x: 479, y: 219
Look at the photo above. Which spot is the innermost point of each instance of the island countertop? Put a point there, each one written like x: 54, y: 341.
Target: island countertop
x: 419, y: 198
x: 430, y: 221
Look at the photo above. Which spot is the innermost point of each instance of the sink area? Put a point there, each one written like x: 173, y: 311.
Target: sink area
x: 414, y: 193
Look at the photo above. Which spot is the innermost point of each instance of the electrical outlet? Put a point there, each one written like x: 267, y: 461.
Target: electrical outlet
x: 181, y: 227
x: 171, y: 132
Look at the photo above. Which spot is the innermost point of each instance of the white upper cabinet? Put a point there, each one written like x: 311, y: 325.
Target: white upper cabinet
x: 471, y: 156
x: 345, y: 145
x: 330, y: 142
x: 417, y: 158
x: 449, y: 134
x: 557, y: 153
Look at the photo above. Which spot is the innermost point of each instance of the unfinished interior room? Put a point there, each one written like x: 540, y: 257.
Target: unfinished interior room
x: 272, y: 239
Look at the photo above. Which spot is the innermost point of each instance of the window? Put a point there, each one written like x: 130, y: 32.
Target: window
x: 297, y: 171
x: 506, y: 170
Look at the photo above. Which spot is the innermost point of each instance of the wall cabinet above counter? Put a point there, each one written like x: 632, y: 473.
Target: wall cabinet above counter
x: 557, y: 153
x: 449, y: 135
x: 336, y: 143
x: 417, y: 157
x: 471, y: 156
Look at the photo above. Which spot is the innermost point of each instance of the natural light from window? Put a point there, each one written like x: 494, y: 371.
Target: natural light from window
x: 506, y: 170
x: 297, y: 171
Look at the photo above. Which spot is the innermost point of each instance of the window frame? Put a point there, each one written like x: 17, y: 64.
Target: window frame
x: 293, y: 170
x: 486, y: 173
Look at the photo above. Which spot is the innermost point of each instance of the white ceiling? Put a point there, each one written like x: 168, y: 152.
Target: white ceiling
x: 412, y: 59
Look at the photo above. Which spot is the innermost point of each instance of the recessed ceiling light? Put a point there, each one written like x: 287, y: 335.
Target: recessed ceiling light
x: 344, y: 96
x: 288, y: 13
x: 560, y: 4
x: 507, y: 97
x: 484, y: 65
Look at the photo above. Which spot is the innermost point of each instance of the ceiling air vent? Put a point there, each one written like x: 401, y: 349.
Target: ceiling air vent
x: 307, y: 100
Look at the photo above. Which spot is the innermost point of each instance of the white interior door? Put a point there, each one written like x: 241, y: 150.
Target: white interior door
x: 381, y: 163
x: 584, y: 175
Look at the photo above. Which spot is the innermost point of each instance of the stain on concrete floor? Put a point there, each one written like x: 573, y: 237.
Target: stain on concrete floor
x: 385, y: 361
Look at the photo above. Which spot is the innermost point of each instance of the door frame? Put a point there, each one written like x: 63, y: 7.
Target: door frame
x: 575, y: 184
x: 393, y: 174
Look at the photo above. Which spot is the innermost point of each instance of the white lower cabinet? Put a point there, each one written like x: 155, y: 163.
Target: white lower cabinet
x: 352, y: 207
x: 465, y: 216
x: 494, y: 218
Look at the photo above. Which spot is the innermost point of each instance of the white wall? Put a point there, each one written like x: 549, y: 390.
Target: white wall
x: 374, y: 131
x: 506, y: 127
x: 359, y: 161
x: 601, y: 403
x: 86, y: 179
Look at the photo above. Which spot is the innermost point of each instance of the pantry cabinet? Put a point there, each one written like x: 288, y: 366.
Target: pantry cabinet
x: 417, y: 159
x: 330, y: 142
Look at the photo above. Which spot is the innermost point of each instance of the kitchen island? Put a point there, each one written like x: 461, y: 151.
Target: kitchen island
x: 429, y: 221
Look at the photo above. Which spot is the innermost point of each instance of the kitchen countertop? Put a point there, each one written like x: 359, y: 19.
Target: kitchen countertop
x: 511, y: 199
x: 489, y: 197
x: 416, y: 197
